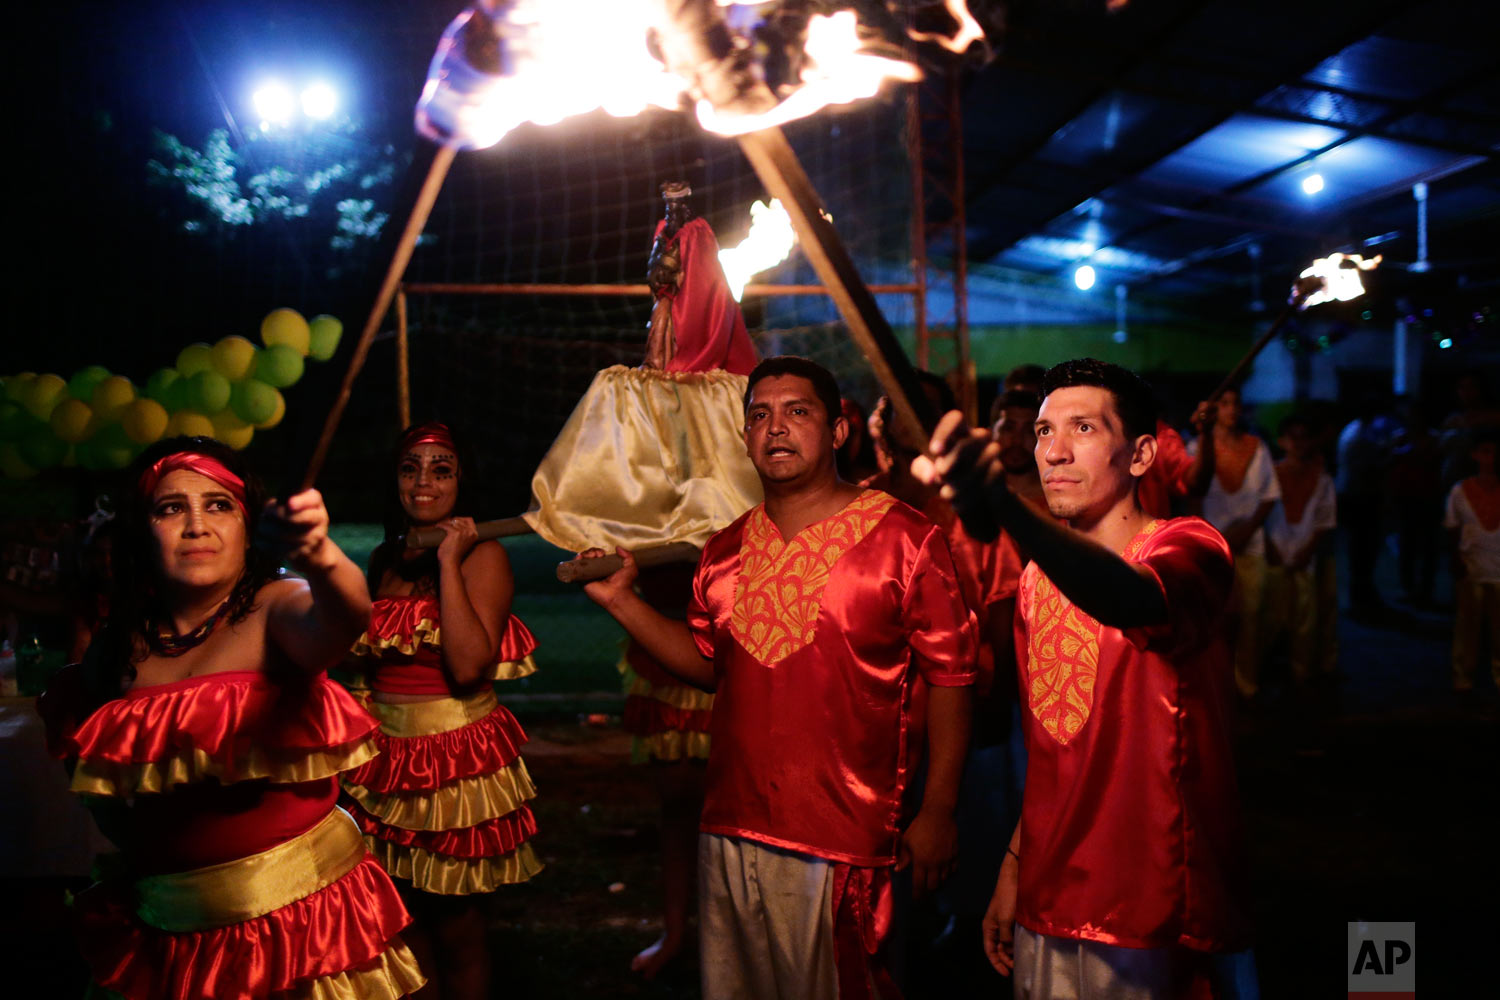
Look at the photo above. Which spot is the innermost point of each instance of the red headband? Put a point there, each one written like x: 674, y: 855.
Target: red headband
x: 429, y: 433
x: 204, y: 465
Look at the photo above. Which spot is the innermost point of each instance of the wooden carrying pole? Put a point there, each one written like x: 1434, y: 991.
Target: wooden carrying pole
x: 584, y: 570
x: 505, y: 527
x: 437, y: 171
x: 780, y: 171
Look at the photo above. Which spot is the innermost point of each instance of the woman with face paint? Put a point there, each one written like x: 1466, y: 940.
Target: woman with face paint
x: 444, y: 806
x: 203, y: 724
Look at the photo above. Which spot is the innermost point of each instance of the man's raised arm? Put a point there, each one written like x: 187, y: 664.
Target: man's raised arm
x: 967, y: 461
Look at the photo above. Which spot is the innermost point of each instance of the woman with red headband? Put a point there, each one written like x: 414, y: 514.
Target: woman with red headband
x: 202, y: 715
x: 444, y: 806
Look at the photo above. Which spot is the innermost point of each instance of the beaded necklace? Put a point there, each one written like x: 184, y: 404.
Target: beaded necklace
x: 166, y: 643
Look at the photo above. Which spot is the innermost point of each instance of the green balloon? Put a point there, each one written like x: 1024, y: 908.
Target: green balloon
x: 175, y: 397
x: 83, y: 452
x: 81, y: 385
x: 253, y: 401
x: 112, y: 448
x: 208, y: 391
x: 42, y: 448
x: 323, y: 337
x: 279, y: 366
x: 12, y: 421
x: 160, y: 382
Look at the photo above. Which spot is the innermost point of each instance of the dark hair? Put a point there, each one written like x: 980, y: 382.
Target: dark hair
x: 1024, y: 375
x: 1134, y: 400
x: 824, y: 386
x: 945, y: 400
x: 136, y: 605
x: 1296, y: 418
x: 1013, y: 398
x: 422, y: 571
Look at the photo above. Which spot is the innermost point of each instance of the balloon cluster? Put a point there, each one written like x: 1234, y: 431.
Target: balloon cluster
x: 98, y: 420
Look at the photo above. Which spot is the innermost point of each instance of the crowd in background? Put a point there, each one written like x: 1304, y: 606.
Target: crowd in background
x: 1408, y: 479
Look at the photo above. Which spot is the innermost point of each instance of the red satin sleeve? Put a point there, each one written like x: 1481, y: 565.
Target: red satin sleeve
x: 941, y: 629
x: 1191, y: 563
x: 700, y: 621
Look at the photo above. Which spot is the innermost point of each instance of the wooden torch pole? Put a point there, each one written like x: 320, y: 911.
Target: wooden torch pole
x: 781, y: 172
x: 403, y: 361
x: 442, y: 159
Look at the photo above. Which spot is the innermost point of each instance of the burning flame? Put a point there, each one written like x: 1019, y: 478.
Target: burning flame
x: 504, y: 62
x: 836, y: 73
x: 1339, y: 277
x: 768, y: 243
x: 968, y: 32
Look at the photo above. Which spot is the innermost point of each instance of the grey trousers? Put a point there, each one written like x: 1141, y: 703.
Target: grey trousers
x: 765, y: 922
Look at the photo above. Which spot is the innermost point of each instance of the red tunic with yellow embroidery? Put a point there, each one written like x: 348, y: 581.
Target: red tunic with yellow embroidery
x: 244, y: 881
x: 816, y: 643
x: 1130, y: 825
x: 444, y: 805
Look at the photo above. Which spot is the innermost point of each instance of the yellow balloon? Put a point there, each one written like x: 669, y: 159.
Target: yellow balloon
x: 13, y: 465
x: 72, y: 421
x: 232, y: 430
x: 275, y: 417
x: 144, y: 420
x: 18, y: 387
x: 195, y: 358
x: 234, y: 357
x: 111, y: 396
x: 187, y: 423
x: 286, y: 326
x: 43, y: 395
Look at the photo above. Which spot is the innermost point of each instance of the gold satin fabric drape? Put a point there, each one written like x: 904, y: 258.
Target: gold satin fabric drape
x: 648, y: 457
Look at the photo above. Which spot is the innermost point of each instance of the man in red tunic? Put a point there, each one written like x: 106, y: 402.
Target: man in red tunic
x: 812, y: 617
x: 1124, y: 878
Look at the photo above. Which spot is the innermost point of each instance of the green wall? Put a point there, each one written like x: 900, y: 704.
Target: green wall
x: 997, y: 349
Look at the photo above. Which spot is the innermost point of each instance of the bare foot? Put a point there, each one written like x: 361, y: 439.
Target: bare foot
x: 651, y: 960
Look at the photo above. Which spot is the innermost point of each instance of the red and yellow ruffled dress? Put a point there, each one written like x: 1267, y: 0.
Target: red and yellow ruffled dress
x: 246, y: 880
x: 444, y: 805
x: 667, y: 718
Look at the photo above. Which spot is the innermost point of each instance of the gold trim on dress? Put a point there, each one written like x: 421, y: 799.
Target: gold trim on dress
x: 426, y: 632
x: 97, y: 776
x: 430, y: 634
x: 683, y: 696
x: 446, y: 876
x: 513, y: 670
x: 245, y: 888
x: 428, y: 718
x: 670, y: 745
x: 394, y: 973
x: 455, y: 806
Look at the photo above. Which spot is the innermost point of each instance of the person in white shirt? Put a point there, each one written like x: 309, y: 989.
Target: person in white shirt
x: 1473, y: 522
x: 1296, y: 528
x: 1240, y: 498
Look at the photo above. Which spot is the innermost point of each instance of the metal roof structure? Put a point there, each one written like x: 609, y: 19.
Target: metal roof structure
x: 1169, y: 143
